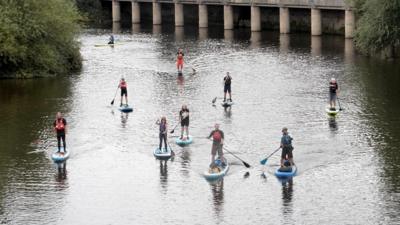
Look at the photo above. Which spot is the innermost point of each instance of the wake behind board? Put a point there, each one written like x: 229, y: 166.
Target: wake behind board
x: 227, y: 103
x: 184, y: 141
x: 220, y: 172
x: 289, y: 172
x: 332, y: 111
x: 125, y: 108
x: 60, y: 156
x: 165, y: 154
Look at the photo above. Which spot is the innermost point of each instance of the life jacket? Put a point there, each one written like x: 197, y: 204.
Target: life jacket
x: 180, y: 56
x: 333, y: 87
x: 228, y: 80
x: 122, y: 84
x: 60, y: 125
x: 217, y: 136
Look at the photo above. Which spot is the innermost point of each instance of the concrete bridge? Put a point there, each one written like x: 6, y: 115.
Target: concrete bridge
x: 318, y: 16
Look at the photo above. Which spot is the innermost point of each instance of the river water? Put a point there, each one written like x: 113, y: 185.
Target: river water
x: 348, y: 167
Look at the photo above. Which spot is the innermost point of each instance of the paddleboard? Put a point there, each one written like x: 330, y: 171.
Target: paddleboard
x: 105, y: 45
x: 60, y: 156
x: 215, y: 175
x: 180, y: 73
x: 164, y: 154
x: 332, y: 112
x: 125, y: 108
x: 226, y: 103
x: 286, y: 174
x: 184, y: 141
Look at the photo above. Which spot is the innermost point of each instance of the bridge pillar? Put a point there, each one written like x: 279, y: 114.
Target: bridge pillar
x: 135, y: 12
x: 284, y: 20
x: 349, y: 24
x: 116, y: 11
x: 156, y: 13
x: 179, y: 20
x: 203, y: 16
x: 316, y: 22
x: 255, y: 18
x: 228, y: 17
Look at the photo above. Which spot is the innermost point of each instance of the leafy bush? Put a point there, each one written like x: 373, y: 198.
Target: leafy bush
x: 37, y: 37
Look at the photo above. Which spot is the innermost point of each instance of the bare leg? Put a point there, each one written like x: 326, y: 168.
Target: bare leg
x: 187, y: 132
x: 182, y: 129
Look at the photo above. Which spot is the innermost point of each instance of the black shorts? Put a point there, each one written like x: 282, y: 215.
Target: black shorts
x: 227, y: 88
x: 124, y: 92
x: 185, y: 123
x: 287, y: 151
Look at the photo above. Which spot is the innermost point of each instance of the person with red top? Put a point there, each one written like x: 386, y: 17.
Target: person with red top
x: 60, y: 127
x: 179, y: 60
x: 218, y: 142
x: 124, y: 91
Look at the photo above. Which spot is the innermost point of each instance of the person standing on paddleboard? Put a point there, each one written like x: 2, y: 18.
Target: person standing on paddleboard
x: 217, y: 145
x: 227, y: 86
x: 124, y: 90
x: 163, y: 132
x: 287, y: 148
x: 60, y: 127
x: 111, y: 40
x: 184, y: 118
x: 179, y: 60
x: 333, y: 91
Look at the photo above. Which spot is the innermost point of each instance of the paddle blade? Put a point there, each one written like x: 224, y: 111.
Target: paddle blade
x: 246, y: 164
x: 172, y: 131
x: 264, y: 161
x: 214, y: 100
x: 112, y: 102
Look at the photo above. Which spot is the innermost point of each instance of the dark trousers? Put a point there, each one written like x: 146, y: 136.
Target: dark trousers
x: 61, y: 136
x: 163, y: 136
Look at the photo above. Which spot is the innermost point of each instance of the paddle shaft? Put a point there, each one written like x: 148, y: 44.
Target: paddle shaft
x: 244, y: 163
x: 265, y: 159
x: 173, y: 130
x: 340, y: 107
x: 115, y: 95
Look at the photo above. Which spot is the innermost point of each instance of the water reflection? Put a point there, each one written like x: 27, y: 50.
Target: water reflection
x: 185, y: 163
x: 349, y: 52
x: 179, y: 34
x: 156, y: 29
x: 203, y: 34
x: 124, y: 119
x: 287, y: 197
x: 217, y: 190
x: 228, y: 112
x: 284, y: 42
x: 316, y: 45
x: 228, y: 35
x: 116, y: 27
x: 61, y: 172
x: 164, y: 174
x: 136, y: 28
x: 255, y: 39
x: 332, y: 123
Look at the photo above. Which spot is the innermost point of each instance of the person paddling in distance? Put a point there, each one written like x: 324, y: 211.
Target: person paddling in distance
x: 124, y: 91
x: 163, y: 132
x: 111, y: 40
x: 227, y: 86
x: 60, y: 127
x: 217, y: 145
x: 184, y: 118
x: 287, y: 148
x: 333, y: 91
x: 179, y: 60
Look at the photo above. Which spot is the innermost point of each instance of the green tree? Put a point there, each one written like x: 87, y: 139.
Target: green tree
x: 378, y: 27
x: 38, y: 38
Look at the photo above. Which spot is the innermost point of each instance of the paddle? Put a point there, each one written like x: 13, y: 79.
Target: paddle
x: 112, y: 102
x: 340, y: 107
x: 173, y: 130
x: 264, y: 161
x: 244, y: 163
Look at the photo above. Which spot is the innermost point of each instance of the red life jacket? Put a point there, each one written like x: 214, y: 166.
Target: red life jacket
x: 217, y: 136
x: 60, y: 125
x: 122, y: 84
x: 180, y: 56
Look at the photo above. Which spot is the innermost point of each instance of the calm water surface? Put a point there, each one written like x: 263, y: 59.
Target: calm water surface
x: 348, y: 167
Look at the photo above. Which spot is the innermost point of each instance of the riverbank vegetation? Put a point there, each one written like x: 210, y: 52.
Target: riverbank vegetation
x: 378, y: 27
x: 38, y: 38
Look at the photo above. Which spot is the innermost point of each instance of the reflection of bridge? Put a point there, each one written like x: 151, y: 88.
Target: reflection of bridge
x: 319, y: 15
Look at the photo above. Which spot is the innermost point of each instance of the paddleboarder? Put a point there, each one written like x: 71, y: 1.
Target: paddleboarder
x: 179, y: 60
x: 333, y: 91
x: 287, y: 148
x: 163, y: 132
x: 217, y: 145
x: 111, y: 40
x: 124, y: 91
x: 60, y: 128
x: 184, y: 118
x: 227, y: 86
